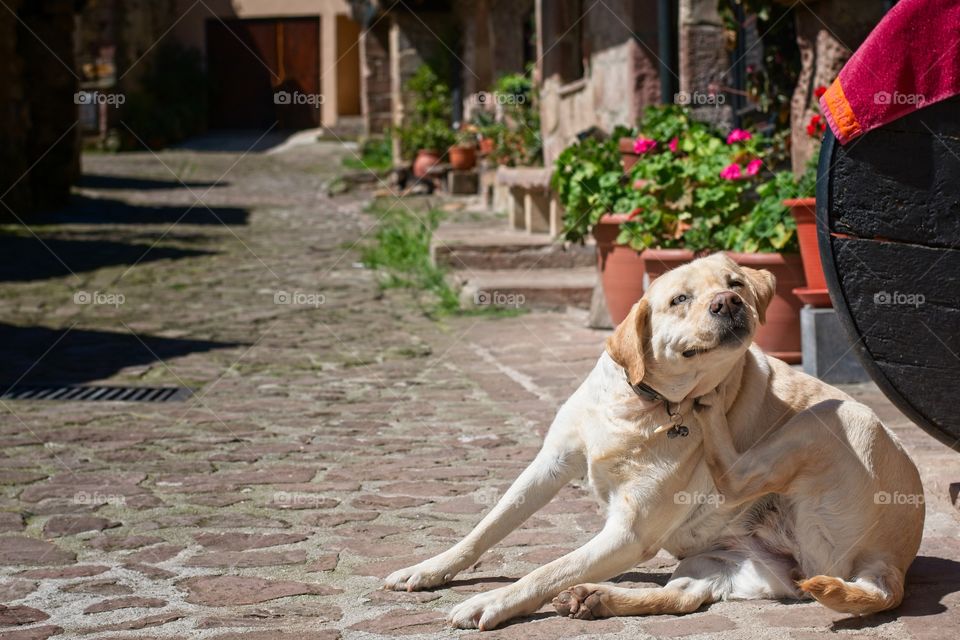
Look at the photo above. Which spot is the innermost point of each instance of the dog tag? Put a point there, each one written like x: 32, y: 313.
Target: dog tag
x: 676, y: 428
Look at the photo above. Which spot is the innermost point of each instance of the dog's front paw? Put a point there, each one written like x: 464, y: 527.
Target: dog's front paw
x: 486, y: 611
x: 583, y: 602
x: 429, y: 573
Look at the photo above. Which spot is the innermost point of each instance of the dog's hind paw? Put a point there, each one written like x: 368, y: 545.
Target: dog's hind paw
x: 583, y: 602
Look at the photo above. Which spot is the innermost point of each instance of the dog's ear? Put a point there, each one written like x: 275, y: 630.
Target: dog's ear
x: 764, y: 285
x: 627, y: 344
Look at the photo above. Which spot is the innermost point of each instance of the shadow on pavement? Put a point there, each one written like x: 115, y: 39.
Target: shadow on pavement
x: 95, y: 181
x: 43, y: 355
x: 87, y: 210
x: 26, y: 258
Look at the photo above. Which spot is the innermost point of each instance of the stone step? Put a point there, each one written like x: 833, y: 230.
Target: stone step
x: 466, y: 246
x: 527, y: 288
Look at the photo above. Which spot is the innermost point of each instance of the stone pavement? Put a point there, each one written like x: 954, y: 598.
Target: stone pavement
x: 337, y: 433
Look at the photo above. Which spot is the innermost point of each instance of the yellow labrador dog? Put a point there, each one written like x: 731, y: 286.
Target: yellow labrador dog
x: 763, y: 481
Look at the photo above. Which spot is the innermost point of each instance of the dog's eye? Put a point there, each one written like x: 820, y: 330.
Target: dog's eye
x: 680, y: 298
x: 734, y: 284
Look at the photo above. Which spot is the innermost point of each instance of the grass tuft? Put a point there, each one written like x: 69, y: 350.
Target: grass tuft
x: 400, y: 251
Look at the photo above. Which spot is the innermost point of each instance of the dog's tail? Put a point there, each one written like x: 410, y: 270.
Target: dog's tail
x: 876, y: 587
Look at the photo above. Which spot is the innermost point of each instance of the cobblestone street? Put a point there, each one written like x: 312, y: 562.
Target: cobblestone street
x: 336, y: 433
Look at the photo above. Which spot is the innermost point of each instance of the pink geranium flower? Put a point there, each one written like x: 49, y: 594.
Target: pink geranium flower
x: 731, y: 172
x: 753, y: 167
x: 642, y: 145
x: 673, y: 145
x: 738, y: 135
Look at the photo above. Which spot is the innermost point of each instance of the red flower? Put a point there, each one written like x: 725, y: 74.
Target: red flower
x: 819, y: 91
x: 753, y: 167
x: 731, y: 172
x: 816, y: 126
x: 738, y: 135
x: 673, y: 144
x: 641, y: 145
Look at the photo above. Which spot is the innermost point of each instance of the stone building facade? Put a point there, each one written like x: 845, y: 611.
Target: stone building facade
x: 597, y: 66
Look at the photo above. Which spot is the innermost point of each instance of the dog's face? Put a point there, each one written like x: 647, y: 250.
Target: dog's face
x: 692, y: 325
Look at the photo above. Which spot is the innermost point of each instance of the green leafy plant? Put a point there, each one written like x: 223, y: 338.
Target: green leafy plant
x: 375, y: 155
x: 427, y: 126
x: 588, y: 180
x: 691, y: 187
x: 516, y: 131
x: 400, y: 252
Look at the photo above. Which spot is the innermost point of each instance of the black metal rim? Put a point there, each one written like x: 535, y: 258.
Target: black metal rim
x: 828, y: 151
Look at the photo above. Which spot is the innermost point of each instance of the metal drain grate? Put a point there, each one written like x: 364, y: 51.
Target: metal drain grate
x: 97, y: 393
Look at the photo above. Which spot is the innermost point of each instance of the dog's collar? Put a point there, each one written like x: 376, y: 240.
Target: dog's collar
x: 648, y: 393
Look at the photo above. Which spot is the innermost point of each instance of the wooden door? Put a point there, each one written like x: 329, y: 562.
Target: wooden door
x: 263, y: 72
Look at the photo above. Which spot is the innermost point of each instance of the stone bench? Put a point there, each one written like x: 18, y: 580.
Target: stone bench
x: 526, y: 195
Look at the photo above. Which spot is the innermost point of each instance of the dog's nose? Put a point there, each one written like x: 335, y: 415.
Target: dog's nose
x: 727, y: 304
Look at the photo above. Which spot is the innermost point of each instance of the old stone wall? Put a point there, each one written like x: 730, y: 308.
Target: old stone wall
x: 40, y: 157
x: 375, y: 76
x: 704, y: 60
x: 619, y: 44
x: 828, y: 33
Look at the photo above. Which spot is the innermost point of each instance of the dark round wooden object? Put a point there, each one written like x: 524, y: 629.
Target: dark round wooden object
x: 888, y: 224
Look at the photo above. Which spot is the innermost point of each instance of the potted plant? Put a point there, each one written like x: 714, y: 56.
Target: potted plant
x: 517, y: 139
x: 426, y: 133
x: 427, y: 142
x: 463, y: 153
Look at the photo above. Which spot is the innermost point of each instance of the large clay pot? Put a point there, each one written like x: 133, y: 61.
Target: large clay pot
x: 815, y: 290
x: 426, y: 159
x: 780, y: 335
x: 462, y: 158
x: 621, y: 268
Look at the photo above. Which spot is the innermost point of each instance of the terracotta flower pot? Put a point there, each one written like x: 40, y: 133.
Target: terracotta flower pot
x: 628, y: 157
x: 780, y: 335
x: 462, y: 158
x: 814, y: 292
x: 426, y: 159
x: 621, y: 268
x: 486, y: 146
